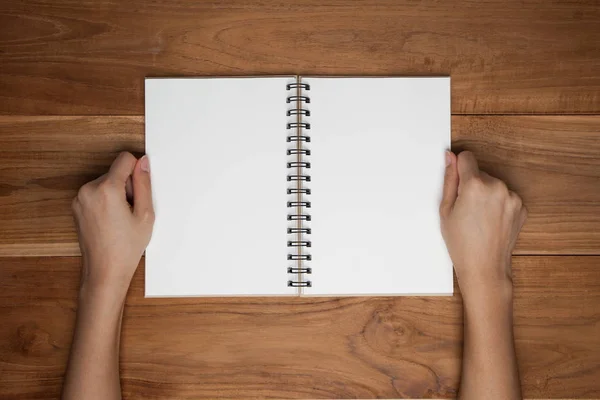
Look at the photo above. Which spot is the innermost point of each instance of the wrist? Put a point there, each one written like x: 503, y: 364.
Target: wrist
x: 102, y: 295
x: 488, y: 314
x: 481, y: 289
x: 489, y: 300
x: 99, y: 315
x: 105, y: 278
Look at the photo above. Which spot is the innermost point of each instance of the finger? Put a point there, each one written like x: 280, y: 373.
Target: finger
x: 142, y: 191
x: 129, y: 191
x: 97, y: 181
x: 486, y: 177
x: 122, y: 167
x: 85, y: 194
x: 450, y: 190
x: 467, y: 167
x: 518, y: 223
x: 522, y: 217
x: 75, y: 207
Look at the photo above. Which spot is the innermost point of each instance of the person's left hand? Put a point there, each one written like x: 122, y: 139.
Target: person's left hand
x: 112, y: 234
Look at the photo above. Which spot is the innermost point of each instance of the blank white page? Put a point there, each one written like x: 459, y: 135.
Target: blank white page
x: 377, y: 169
x: 217, y: 152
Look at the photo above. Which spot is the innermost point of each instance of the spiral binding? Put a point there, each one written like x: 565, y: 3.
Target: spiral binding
x: 291, y: 125
x: 298, y: 139
x: 296, y: 164
x: 298, y: 217
x: 299, y: 204
x: 300, y: 283
x: 298, y: 177
x: 299, y: 257
x: 292, y: 152
x: 299, y: 230
x: 292, y: 270
x: 299, y: 85
x: 298, y: 98
x: 298, y: 111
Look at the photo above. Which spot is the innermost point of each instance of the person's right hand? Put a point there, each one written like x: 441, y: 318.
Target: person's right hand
x: 480, y: 220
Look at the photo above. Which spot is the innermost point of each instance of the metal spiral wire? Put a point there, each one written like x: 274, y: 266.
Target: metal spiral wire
x: 298, y: 178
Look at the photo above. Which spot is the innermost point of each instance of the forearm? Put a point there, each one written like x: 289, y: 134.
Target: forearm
x: 489, y: 362
x: 93, y: 370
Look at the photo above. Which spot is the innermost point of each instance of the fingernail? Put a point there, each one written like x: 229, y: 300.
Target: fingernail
x: 448, y: 158
x: 145, y: 164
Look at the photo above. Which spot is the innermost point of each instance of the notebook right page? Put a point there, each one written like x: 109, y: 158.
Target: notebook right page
x: 377, y: 167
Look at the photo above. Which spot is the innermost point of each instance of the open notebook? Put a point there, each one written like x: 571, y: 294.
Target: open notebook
x: 297, y: 186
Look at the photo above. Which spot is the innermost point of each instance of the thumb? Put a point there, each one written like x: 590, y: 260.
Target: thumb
x: 450, y: 185
x: 142, y: 191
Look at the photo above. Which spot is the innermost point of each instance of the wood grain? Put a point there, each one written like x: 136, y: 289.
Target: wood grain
x: 504, y: 56
x: 301, y: 347
x: 554, y: 164
x: 43, y: 162
x: 552, y: 161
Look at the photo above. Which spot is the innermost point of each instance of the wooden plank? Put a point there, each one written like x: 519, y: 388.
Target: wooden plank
x: 504, y: 56
x: 302, y: 347
x: 552, y: 161
x: 43, y: 162
x: 554, y: 164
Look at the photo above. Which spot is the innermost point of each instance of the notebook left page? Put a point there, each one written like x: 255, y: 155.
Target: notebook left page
x: 217, y: 154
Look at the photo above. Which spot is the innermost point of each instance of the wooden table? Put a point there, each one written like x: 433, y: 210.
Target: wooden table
x: 525, y: 99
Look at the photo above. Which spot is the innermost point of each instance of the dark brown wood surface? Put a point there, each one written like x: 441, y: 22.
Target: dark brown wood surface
x: 504, y: 56
x: 71, y: 97
x: 301, y: 347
